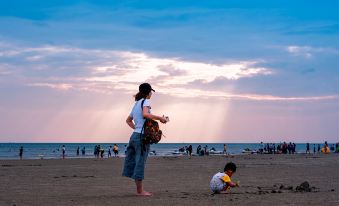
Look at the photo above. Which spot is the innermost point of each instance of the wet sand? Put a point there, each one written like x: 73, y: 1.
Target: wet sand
x: 264, y: 180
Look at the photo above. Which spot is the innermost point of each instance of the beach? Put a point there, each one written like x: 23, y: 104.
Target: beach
x: 264, y: 180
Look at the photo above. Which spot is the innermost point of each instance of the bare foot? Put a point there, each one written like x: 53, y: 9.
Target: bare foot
x: 145, y: 194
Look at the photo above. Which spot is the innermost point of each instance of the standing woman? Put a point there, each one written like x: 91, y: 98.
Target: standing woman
x: 137, y: 153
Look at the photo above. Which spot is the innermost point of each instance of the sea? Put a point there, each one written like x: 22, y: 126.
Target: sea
x: 54, y: 150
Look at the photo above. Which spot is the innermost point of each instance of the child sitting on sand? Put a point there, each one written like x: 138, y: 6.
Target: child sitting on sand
x: 222, y: 180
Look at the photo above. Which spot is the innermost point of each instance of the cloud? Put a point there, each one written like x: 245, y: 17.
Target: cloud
x: 192, y: 93
x: 308, y: 51
x: 104, y: 71
x: 143, y: 66
x: 172, y: 71
x: 53, y: 86
x: 304, y: 51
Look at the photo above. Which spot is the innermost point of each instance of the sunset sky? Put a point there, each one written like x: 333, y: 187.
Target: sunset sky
x: 223, y: 71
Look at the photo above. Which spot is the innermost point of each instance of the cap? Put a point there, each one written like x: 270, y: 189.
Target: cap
x: 145, y: 88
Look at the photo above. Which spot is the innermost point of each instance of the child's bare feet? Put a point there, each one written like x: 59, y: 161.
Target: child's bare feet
x: 145, y: 194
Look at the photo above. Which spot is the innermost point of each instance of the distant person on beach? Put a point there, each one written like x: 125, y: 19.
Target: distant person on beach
x: 21, y: 152
x: 225, y: 149
x: 63, y: 151
x: 313, y: 148
x: 222, y: 180
x: 189, y: 150
x: 83, y: 151
x: 308, y: 148
x: 261, y: 148
x: 198, y: 149
x: 284, y: 148
x: 206, y: 152
x: 279, y: 148
x: 332, y: 148
x: 78, y: 151
x: 325, y: 149
x: 102, y: 151
x: 318, y: 148
x: 125, y: 149
x: 98, y: 150
x: 289, y: 148
x: 95, y: 151
x: 115, y: 150
x: 137, y: 152
x: 109, y: 151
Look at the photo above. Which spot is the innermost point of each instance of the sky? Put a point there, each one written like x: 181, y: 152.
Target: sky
x: 223, y: 71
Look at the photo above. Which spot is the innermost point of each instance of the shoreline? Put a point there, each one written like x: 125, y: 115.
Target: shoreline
x: 156, y: 156
x: 53, y: 151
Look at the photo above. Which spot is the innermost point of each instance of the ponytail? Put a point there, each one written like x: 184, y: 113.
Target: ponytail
x: 139, y: 96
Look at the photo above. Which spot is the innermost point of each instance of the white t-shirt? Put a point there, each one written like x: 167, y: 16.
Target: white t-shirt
x: 219, y: 181
x: 137, y: 115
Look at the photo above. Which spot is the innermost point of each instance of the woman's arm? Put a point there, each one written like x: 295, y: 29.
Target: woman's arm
x: 148, y: 115
x: 130, y: 122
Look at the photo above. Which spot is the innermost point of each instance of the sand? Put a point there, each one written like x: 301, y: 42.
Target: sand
x: 264, y: 179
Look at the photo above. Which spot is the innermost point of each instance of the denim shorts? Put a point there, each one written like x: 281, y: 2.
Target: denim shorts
x: 136, y: 157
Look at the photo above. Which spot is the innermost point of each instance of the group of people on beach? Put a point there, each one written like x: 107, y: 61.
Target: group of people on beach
x: 187, y: 149
x: 83, y: 151
x: 325, y: 149
x: 201, y: 151
x: 63, y: 151
x: 264, y: 148
x: 281, y: 148
x: 99, y: 151
x: 290, y: 148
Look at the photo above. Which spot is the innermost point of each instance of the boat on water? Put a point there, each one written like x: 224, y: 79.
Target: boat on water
x: 152, y: 153
x: 178, y: 152
x: 213, y: 151
x: 249, y: 151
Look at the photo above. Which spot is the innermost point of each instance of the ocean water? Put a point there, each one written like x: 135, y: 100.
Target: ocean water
x: 53, y: 150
